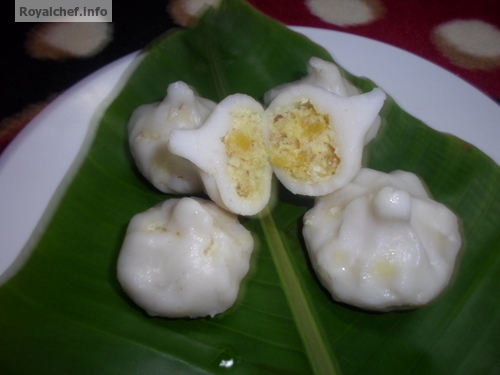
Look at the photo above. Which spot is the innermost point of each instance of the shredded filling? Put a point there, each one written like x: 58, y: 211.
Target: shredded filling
x: 302, y: 142
x: 247, y: 157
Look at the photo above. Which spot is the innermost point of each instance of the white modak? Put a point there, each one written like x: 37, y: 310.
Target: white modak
x: 229, y: 152
x: 149, y: 132
x: 184, y: 258
x: 380, y: 243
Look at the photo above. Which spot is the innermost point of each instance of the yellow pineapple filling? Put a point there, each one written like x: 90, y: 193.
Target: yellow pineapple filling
x: 302, y: 142
x: 385, y: 270
x: 247, y: 158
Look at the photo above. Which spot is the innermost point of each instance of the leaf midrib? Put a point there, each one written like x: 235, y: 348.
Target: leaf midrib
x: 308, y: 325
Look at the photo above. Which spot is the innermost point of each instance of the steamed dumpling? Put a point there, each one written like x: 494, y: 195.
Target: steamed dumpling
x: 321, y: 73
x: 326, y: 74
x: 315, y: 138
x: 229, y: 152
x: 149, y: 132
x: 184, y: 258
x: 380, y: 242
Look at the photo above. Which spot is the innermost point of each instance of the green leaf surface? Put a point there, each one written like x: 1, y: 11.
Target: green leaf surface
x: 65, y: 313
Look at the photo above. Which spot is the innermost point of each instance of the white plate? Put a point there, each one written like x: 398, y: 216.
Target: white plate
x: 37, y: 163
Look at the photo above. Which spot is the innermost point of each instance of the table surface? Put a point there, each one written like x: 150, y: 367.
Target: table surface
x: 462, y: 36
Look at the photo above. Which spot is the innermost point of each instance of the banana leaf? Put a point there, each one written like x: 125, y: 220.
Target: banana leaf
x: 65, y: 313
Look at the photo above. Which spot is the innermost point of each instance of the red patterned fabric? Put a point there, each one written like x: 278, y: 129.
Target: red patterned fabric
x: 407, y: 24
